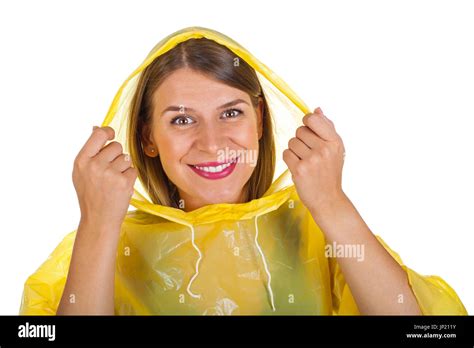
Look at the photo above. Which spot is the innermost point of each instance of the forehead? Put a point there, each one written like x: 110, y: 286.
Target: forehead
x: 188, y: 86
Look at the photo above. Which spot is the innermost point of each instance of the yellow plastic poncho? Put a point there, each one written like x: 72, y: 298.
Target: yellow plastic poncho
x: 261, y: 257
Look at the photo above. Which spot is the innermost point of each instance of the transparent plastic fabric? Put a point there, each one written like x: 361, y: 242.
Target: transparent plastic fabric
x: 263, y: 257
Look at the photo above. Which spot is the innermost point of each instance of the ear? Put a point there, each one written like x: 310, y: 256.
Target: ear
x: 150, y: 149
x: 260, y: 110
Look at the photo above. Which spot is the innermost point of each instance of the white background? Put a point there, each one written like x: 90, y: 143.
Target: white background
x: 396, y: 77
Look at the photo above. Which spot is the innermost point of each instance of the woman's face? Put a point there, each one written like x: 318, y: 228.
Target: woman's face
x: 206, y: 134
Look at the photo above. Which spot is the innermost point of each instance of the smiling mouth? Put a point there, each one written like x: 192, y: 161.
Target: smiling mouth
x: 214, y: 170
x: 214, y: 167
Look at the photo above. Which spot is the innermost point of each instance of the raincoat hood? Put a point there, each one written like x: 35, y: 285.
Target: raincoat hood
x: 265, y: 256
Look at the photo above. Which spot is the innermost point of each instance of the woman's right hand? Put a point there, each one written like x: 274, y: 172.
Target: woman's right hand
x: 103, y: 179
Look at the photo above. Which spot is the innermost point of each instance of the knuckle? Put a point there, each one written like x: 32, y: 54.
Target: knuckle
x: 339, y: 142
x: 291, y: 142
x: 133, y: 173
x: 305, y: 119
x: 109, y: 174
x: 93, y: 166
x: 315, y: 158
x: 310, y: 118
x: 301, y: 170
x: 326, y: 151
x: 78, y: 163
x: 300, y: 131
x: 116, y: 146
x: 100, y: 131
x: 123, y: 182
x: 110, y: 129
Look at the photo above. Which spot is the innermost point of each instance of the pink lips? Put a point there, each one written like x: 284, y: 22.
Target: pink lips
x: 214, y: 175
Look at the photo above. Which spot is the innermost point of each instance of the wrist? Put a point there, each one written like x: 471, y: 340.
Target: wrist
x: 99, y: 223
x: 99, y: 231
x: 330, y: 205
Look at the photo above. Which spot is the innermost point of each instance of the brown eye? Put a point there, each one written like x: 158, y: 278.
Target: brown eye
x: 231, y: 113
x: 182, y: 120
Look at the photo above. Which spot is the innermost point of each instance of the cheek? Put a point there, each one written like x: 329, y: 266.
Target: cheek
x: 171, y: 150
x: 247, y: 136
x: 247, y: 140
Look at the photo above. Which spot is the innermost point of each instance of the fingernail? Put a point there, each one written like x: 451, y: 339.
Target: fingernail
x: 319, y: 110
x: 127, y: 158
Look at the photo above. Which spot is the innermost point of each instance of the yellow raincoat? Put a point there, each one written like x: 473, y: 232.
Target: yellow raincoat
x: 261, y: 257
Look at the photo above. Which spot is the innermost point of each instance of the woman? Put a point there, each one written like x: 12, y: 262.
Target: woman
x: 213, y: 232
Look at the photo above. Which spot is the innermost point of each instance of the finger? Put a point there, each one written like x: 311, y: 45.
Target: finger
x: 290, y: 159
x: 110, y: 152
x: 97, y: 140
x: 132, y: 174
x: 320, y: 126
x: 121, y: 163
x: 307, y: 136
x: 299, y: 148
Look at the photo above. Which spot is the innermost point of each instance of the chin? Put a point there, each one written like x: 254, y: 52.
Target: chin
x: 218, y: 197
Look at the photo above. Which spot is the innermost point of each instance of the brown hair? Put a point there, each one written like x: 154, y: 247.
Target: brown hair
x: 220, y: 63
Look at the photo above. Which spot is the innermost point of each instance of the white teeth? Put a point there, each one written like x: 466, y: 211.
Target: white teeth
x: 215, y: 169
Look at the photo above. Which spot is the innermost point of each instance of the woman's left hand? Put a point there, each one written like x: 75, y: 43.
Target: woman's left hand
x: 315, y: 158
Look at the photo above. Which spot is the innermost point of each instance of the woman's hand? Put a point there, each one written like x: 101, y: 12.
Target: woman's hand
x: 315, y: 159
x: 103, y: 179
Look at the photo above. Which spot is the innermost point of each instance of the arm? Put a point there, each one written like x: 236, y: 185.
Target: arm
x: 378, y: 283
x: 89, y: 287
x: 103, y: 179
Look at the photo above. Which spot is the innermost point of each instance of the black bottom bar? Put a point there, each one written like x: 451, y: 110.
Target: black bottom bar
x: 290, y: 330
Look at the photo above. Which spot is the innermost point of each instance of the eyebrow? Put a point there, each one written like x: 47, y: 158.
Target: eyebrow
x: 223, y: 106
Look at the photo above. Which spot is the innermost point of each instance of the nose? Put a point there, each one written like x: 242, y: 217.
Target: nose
x: 211, y: 138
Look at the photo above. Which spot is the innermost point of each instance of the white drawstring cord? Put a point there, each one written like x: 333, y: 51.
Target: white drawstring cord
x: 197, y: 265
x: 269, y: 286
